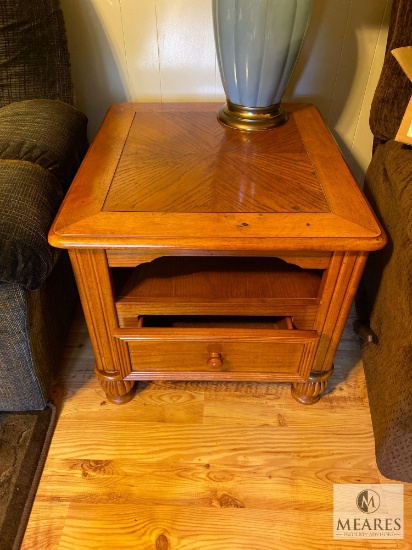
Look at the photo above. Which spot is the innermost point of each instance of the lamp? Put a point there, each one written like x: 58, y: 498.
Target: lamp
x: 257, y: 44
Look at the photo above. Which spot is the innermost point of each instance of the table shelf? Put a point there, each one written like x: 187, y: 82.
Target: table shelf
x: 215, y: 286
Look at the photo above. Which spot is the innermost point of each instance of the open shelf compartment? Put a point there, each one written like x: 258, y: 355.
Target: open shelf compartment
x: 262, y: 286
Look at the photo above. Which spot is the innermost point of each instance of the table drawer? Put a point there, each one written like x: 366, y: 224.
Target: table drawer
x: 220, y: 353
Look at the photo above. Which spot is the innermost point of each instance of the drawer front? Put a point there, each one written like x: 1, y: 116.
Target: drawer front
x: 205, y: 354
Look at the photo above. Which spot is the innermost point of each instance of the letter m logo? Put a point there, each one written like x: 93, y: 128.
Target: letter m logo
x: 368, y: 501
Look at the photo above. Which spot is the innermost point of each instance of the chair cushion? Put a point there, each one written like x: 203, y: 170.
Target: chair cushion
x: 29, y: 199
x: 49, y: 133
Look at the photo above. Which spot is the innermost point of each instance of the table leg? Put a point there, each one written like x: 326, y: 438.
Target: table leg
x: 338, y: 294
x: 117, y: 392
x: 95, y: 286
x: 309, y: 392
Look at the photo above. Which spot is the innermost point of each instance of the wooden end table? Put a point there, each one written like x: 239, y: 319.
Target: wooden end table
x: 206, y: 253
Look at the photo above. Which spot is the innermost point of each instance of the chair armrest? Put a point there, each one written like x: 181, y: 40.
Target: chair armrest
x: 49, y: 133
x: 29, y: 199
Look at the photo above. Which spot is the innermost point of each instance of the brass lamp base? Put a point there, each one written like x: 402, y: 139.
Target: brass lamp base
x: 252, y: 118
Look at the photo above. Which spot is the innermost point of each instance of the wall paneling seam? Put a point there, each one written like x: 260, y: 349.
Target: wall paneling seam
x: 384, y: 15
x: 129, y: 91
x: 338, y: 65
x: 158, y: 51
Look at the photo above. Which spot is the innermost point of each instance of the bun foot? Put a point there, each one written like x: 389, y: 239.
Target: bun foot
x: 310, y: 392
x: 119, y: 392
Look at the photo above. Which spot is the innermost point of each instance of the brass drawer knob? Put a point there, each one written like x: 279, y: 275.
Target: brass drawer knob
x: 215, y: 360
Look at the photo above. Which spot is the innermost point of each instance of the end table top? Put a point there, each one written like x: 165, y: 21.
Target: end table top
x: 172, y: 175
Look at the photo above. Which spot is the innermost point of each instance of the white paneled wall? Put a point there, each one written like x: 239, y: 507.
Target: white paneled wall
x: 163, y: 50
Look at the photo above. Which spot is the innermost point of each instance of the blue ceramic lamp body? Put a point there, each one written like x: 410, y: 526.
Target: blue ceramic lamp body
x: 257, y: 44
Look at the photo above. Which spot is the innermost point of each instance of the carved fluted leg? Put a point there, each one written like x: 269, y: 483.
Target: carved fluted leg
x: 310, y: 392
x: 97, y: 295
x: 340, y: 284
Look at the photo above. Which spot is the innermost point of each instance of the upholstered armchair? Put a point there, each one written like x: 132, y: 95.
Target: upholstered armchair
x: 384, y: 301
x: 42, y: 142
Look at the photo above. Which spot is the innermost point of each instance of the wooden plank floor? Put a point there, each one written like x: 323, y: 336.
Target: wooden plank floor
x: 202, y: 466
